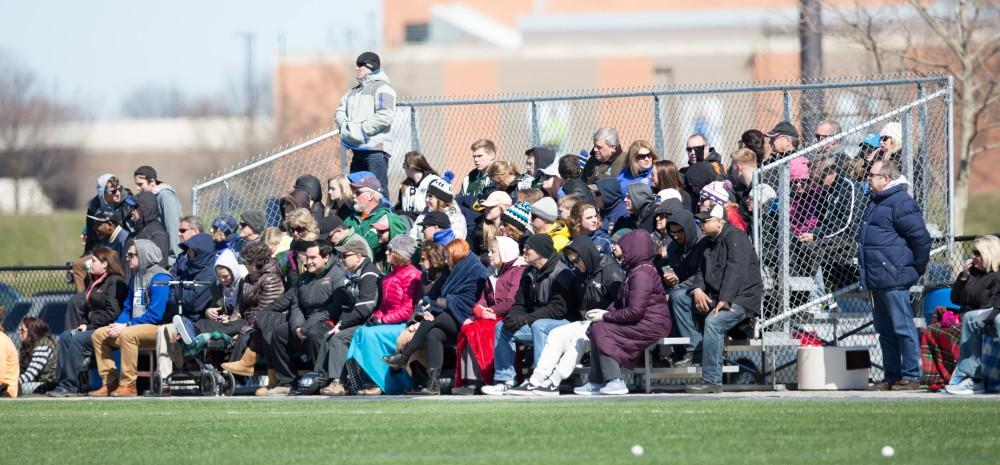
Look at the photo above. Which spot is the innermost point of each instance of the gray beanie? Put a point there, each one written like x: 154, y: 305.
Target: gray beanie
x: 255, y: 219
x: 545, y: 209
x: 403, y: 245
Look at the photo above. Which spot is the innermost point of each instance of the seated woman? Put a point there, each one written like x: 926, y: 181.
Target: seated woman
x: 136, y: 326
x: 977, y: 290
x: 261, y: 286
x: 95, y: 308
x: 475, y: 340
x: 442, y: 316
x: 400, y: 292
x: 587, y: 222
x: 434, y: 263
x: 37, y: 356
x: 638, y: 317
x: 225, y: 316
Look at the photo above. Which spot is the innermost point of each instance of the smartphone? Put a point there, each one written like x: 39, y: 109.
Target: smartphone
x: 666, y: 269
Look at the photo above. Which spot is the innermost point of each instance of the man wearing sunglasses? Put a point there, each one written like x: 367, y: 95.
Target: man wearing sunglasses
x: 703, y: 166
x: 110, y: 195
x: 784, y: 140
x: 894, y: 248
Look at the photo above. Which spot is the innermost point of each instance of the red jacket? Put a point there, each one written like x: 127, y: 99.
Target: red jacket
x: 400, y: 289
x: 500, y: 296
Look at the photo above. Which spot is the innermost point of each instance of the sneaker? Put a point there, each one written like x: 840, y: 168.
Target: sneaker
x: 704, y: 387
x: 62, y: 392
x: 498, y: 389
x: 279, y: 391
x: 182, y: 330
x: 527, y: 389
x: 465, y: 390
x: 965, y: 387
x: 615, y: 387
x: 589, y: 389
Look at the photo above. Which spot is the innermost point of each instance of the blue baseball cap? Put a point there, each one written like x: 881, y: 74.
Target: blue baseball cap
x: 871, y: 140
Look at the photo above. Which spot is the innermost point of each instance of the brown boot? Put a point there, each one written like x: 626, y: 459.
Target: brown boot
x: 99, y: 392
x: 125, y: 391
x: 333, y: 389
x: 272, y: 378
x: 110, y: 385
x: 244, y: 366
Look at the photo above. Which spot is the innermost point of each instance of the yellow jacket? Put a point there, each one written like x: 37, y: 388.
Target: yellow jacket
x: 559, y: 232
x: 10, y: 368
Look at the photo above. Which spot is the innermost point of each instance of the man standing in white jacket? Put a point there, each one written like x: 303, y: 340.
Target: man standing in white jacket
x: 364, y: 117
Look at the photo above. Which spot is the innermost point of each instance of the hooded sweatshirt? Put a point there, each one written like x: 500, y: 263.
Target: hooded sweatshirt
x: 147, y: 303
x: 365, y: 114
x: 684, y: 258
x: 643, y: 206
x: 170, y: 215
x: 311, y: 186
x: 500, y: 292
x: 598, y: 285
x: 200, y: 267
x: 614, y: 202
x: 228, y: 296
x: 148, y: 226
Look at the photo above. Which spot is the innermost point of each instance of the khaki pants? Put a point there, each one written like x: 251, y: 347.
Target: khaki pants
x: 169, y: 352
x: 129, y: 341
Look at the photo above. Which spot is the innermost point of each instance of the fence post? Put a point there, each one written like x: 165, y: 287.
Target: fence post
x: 787, y: 104
x: 784, y: 233
x: 658, y: 125
x: 194, y: 200
x: 950, y: 134
x: 536, y: 139
x: 922, y: 147
x: 414, y: 130
x: 908, y: 153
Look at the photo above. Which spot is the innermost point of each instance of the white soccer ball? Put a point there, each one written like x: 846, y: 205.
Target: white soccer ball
x: 888, y: 451
x: 637, y: 450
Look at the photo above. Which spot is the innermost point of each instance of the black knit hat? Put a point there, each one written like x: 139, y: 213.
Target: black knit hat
x: 439, y: 219
x: 369, y: 60
x: 541, y: 244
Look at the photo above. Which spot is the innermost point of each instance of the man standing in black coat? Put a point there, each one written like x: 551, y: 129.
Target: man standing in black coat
x: 727, y: 289
x: 145, y: 220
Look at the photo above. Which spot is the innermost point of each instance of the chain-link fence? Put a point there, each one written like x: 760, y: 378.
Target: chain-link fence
x: 807, y: 211
x: 38, y: 291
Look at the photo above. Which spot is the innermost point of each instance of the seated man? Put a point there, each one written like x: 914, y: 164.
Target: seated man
x: 318, y: 297
x: 543, y: 297
x: 727, y: 289
x: 684, y: 256
x: 137, y: 324
x: 545, y: 219
x: 363, y: 285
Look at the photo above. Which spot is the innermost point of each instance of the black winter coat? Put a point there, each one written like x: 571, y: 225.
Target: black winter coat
x: 976, y: 289
x: 730, y: 270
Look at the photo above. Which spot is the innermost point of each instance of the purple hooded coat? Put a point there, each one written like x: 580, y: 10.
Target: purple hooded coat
x: 640, y: 315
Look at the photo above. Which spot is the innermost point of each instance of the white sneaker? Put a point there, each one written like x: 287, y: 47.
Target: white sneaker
x: 182, y: 330
x: 965, y: 387
x: 498, y: 389
x: 589, y: 389
x: 615, y: 387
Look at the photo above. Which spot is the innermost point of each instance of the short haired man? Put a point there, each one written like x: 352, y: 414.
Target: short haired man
x: 188, y: 227
x: 727, y: 289
x: 167, y: 203
x: 784, y: 140
x: 484, y: 153
x: 368, y: 210
x: 436, y: 228
x: 108, y: 232
x: 606, y: 159
x: 318, y: 297
x: 704, y: 166
x: 543, y: 298
x: 365, y: 116
x: 252, y: 224
x: 893, y: 251
x: 363, y: 287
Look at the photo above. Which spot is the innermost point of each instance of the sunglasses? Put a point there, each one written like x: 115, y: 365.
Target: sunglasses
x: 875, y: 175
x: 820, y: 137
x: 114, y: 191
x: 696, y: 148
x: 130, y: 256
x: 884, y: 138
x: 298, y: 229
x: 643, y: 156
x: 183, y: 230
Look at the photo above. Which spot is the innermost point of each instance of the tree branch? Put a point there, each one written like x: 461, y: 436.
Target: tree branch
x: 939, y: 29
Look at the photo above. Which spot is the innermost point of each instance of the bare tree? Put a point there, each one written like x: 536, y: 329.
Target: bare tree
x: 27, y: 120
x: 960, y: 38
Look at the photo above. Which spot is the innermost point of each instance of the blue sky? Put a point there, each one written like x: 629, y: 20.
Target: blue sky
x: 94, y: 53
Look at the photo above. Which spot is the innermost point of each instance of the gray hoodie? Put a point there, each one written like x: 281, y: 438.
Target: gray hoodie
x: 170, y: 213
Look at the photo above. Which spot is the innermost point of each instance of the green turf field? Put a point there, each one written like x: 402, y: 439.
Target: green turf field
x: 720, y: 431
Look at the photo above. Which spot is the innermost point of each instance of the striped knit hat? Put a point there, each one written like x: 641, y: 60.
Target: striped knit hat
x: 518, y: 216
x: 717, y: 191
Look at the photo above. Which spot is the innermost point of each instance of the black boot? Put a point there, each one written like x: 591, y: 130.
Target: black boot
x: 395, y: 361
x: 433, y: 386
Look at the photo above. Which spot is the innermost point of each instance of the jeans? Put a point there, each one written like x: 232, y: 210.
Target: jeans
x: 681, y: 308
x: 376, y: 162
x: 897, y: 335
x: 505, y: 347
x: 715, y: 338
x: 971, y: 343
x: 73, y: 348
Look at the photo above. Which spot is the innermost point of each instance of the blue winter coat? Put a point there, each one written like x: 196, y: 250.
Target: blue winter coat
x: 463, y: 287
x: 893, y: 243
x: 201, y: 267
x: 626, y: 178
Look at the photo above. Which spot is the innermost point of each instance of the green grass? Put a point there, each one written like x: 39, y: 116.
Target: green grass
x: 721, y: 431
x: 980, y: 217
x: 40, y: 239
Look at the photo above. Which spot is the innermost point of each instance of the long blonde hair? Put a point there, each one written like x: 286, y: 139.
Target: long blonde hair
x: 633, y: 150
x: 988, y: 247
